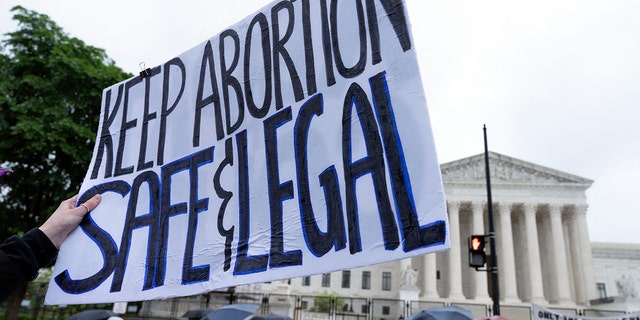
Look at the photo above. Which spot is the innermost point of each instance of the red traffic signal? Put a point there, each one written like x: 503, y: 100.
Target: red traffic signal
x: 477, y: 243
x: 477, y: 257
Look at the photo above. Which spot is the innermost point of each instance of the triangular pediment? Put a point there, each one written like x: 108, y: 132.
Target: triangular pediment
x: 505, y: 169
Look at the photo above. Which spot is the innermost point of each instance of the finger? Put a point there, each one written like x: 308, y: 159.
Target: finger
x: 92, y: 203
x: 71, y: 202
x: 74, y: 198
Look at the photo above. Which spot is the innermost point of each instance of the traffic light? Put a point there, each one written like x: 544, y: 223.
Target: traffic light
x: 477, y: 258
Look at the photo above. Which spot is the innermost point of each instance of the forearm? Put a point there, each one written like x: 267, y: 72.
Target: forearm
x: 21, y: 258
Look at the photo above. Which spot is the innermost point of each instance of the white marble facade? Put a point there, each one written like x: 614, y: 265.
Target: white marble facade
x: 542, y: 241
x: 617, y: 272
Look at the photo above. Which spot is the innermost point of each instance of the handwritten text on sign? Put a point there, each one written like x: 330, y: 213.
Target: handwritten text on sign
x: 296, y: 142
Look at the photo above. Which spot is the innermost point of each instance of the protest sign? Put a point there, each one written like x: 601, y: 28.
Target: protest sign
x: 295, y: 142
x: 541, y: 313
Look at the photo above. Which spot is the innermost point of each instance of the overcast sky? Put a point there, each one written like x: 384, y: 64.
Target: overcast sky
x: 556, y: 82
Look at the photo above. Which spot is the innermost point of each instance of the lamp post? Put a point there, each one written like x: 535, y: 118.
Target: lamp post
x: 493, y: 267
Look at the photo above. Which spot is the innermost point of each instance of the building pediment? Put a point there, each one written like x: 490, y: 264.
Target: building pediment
x: 505, y: 169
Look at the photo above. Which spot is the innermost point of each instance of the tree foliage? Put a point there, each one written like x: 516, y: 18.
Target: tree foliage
x: 327, y: 302
x: 50, y: 95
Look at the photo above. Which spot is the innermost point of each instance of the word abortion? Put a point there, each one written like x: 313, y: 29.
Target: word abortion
x: 238, y: 94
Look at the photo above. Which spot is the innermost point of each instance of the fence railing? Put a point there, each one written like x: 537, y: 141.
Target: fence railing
x: 298, y: 307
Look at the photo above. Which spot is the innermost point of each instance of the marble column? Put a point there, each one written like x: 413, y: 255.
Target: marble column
x: 430, y: 276
x: 480, y: 277
x: 455, y: 265
x: 575, y: 254
x: 587, y: 256
x: 507, y: 256
x: 533, y: 255
x: 559, y: 264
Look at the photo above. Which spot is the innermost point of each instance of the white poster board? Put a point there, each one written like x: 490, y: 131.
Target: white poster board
x: 295, y: 142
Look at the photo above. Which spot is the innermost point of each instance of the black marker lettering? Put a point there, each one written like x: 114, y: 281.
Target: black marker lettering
x: 228, y: 80
x: 125, y: 125
x: 317, y: 241
x: 165, y: 111
x: 107, y: 246
x: 133, y: 221
x: 105, y: 143
x: 414, y: 236
x: 191, y: 274
x: 259, y: 113
x: 280, y: 51
x: 326, y: 43
x: 278, y: 192
x: 372, y: 164
x: 394, y: 10
x: 167, y: 210
x: 358, y: 68
x: 244, y: 263
x: 226, y: 197
x: 308, y: 48
x: 214, y: 98
x: 145, y: 122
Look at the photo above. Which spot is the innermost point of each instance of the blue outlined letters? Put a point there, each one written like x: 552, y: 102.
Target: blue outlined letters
x: 383, y: 162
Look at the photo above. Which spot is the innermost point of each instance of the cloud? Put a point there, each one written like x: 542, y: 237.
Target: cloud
x: 556, y: 83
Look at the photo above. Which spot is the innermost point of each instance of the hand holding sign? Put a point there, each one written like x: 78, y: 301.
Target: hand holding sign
x: 66, y: 218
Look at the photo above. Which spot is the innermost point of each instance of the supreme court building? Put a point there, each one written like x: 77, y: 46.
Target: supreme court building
x: 545, y: 256
x: 542, y: 241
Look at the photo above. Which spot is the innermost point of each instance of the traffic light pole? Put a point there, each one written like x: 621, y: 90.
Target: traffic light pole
x: 493, y: 267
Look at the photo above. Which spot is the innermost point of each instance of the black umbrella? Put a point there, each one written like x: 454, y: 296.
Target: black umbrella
x: 237, y: 311
x: 443, y: 313
x: 197, y: 313
x: 271, y: 316
x: 93, y: 314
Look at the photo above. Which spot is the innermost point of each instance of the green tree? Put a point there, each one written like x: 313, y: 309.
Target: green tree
x: 50, y: 96
x: 327, y: 302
